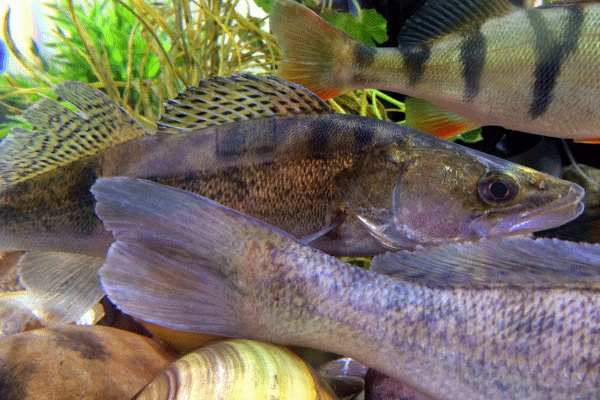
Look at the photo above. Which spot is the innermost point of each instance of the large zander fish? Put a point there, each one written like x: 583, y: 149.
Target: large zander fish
x: 464, y: 64
x: 504, y: 319
x: 269, y: 149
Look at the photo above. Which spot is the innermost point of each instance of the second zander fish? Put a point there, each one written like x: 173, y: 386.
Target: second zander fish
x: 501, y: 319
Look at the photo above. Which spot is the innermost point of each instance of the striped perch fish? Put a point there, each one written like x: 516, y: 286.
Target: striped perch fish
x: 462, y: 64
x: 265, y: 147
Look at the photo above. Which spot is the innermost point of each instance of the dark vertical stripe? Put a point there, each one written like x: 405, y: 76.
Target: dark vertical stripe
x: 320, y: 137
x: 551, y: 53
x: 231, y: 144
x: 364, y: 55
x: 472, y: 57
x: 363, y: 135
x: 414, y: 62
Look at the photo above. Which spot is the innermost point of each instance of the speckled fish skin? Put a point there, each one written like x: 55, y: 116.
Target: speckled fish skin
x: 265, y: 147
x: 487, y: 61
x: 294, y: 172
x: 494, y: 339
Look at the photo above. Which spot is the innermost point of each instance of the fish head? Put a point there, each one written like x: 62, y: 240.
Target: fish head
x: 432, y: 193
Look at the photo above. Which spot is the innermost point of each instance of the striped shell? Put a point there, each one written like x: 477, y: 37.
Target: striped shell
x: 238, y: 369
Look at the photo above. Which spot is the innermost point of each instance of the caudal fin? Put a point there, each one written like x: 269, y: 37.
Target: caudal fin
x: 312, y: 48
x: 176, y: 256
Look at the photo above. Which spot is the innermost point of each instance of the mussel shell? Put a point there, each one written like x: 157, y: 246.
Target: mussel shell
x: 238, y: 369
x: 9, y: 277
x: 77, y: 362
x: 345, y: 376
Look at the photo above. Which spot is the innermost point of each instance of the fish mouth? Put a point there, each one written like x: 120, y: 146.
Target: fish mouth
x: 554, y: 214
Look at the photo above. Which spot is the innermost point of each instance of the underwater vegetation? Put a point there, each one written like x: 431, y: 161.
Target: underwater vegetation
x: 170, y: 100
x: 164, y: 48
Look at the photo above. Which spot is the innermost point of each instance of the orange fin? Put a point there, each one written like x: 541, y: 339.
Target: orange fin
x: 429, y: 118
x: 587, y: 141
x: 310, y: 46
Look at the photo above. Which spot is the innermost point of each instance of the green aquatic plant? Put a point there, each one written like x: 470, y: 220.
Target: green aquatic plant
x: 161, y: 48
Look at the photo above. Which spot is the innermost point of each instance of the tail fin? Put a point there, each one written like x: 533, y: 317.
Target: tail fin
x: 311, y: 48
x: 175, y: 255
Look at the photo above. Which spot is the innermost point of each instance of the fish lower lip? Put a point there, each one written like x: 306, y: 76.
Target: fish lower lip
x: 555, y: 217
x: 555, y: 214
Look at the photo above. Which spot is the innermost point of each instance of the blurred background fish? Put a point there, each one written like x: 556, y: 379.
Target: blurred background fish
x: 462, y: 64
x: 265, y: 147
x: 442, y: 320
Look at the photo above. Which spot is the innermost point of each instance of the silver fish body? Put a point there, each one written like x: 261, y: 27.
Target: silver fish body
x: 507, y: 319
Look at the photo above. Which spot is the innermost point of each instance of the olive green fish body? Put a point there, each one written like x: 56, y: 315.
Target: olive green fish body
x: 499, y: 319
x: 252, y: 180
x: 469, y: 64
x: 54, y: 211
x: 265, y: 147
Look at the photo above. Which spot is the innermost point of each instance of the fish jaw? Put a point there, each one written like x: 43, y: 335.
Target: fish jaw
x: 555, y: 214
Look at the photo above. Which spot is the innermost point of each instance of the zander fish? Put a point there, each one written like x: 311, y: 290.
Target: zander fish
x: 511, y: 318
x: 269, y: 149
x: 463, y: 64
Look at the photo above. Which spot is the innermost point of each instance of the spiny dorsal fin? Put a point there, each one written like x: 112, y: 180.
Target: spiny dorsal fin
x: 219, y: 100
x: 63, y: 136
x: 439, y: 18
x: 510, y: 261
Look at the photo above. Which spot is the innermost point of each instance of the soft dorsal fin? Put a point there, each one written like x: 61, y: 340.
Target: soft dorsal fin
x: 62, y: 136
x: 511, y: 261
x: 219, y: 100
x: 439, y: 18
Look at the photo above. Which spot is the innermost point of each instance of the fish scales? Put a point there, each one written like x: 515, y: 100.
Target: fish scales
x: 280, y: 155
x: 464, y: 339
x: 530, y: 70
x: 59, y: 201
x: 499, y: 338
x: 52, y: 205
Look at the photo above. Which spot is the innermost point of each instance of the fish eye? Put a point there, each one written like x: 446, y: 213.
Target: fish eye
x: 497, y: 188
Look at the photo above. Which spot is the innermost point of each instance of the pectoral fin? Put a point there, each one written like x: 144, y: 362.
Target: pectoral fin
x: 429, y: 118
x: 61, y: 287
x: 510, y: 261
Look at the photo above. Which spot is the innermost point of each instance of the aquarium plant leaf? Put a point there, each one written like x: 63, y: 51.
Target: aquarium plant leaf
x: 369, y: 27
